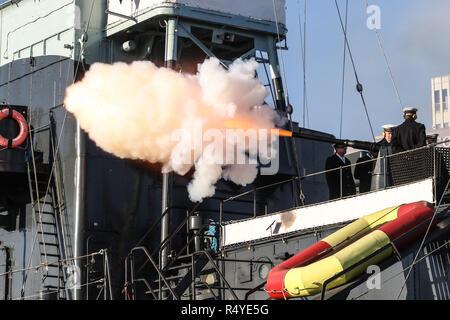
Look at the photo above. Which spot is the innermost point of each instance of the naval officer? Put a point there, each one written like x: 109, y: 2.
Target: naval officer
x: 387, y: 135
x: 363, y: 171
x: 334, y: 178
x: 410, y: 134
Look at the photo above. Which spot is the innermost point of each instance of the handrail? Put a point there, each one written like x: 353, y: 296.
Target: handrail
x: 159, y: 249
x: 153, y: 226
x: 147, y: 285
x: 325, y: 171
x: 257, y: 288
x: 207, y: 254
x: 391, y: 244
x: 149, y: 257
x: 182, y: 249
x: 428, y: 146
x: 174, y: 233
x: 339, y: 274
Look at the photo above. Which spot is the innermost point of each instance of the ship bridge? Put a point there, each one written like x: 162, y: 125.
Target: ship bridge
x: 94, y: 225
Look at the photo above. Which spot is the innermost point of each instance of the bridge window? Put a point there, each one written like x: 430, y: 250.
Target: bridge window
x: 437, y: 100
x: 444, y: 99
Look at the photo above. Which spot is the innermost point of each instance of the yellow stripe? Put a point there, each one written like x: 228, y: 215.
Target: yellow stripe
x: 308, y: 280
x: 361, y: 226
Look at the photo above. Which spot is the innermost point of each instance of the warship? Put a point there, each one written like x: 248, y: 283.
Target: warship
x: 78, y: 222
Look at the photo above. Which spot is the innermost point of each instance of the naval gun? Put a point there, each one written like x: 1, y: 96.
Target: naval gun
x: 381, y: 173
x: 356, y: 144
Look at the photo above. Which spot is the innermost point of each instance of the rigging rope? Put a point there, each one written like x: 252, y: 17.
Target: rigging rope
x: 359, y: 86
x: 294, y: 148
x: 267, y: 76
x: 387, y: 64
x: 343, y: 71
x: 281, y: 52
x: 55, y: 152
x: 411, y: 265
x: 303, y: 54
x: 101, y: 252
x: 423, y: 240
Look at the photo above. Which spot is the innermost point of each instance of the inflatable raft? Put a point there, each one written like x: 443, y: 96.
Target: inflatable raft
x: 305, y: 273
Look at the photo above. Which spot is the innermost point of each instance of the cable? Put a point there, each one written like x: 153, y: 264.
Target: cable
x: 59, y: 138
x: 411, y: 265
x: 35, y: 267
x: 267, y: 76
x: 281, y: 52
x: 303, y: 55
x: 57, y: 291
x: 343, y: 71
x: 5, y: 54
x: 423, y: 240
x: 387, y: 63
x: 359, y: 86
x: 294, y: 148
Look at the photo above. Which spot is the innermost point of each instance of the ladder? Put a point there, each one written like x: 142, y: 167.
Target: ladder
x: 44, y: 205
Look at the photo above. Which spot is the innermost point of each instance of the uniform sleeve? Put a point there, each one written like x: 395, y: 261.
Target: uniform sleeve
x: 330, y: 175
x: 395, y: 142
x: 358, y: 169
x: 422, y: 138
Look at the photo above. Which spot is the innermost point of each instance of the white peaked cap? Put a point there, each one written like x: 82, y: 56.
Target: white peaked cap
x: 388, y: 127
x: 409, y: 110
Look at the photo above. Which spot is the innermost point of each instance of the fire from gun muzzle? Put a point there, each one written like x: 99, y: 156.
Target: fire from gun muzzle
x: 364, y: 145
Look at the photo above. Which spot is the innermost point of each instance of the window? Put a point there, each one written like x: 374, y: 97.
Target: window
x: 437, y: 100
x: 438, y: 125
x: 444, y: 99
x: 445, y: 124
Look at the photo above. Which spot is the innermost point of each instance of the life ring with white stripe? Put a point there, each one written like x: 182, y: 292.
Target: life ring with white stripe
x: 23, y: 132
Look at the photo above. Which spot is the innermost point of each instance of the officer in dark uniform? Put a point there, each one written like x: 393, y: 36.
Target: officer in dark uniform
x: 363, y: 171
x: 432, y: 138
x: 381, y: 173
x: 387, y: 135
x: 410, y: 134
x: 334, y: 179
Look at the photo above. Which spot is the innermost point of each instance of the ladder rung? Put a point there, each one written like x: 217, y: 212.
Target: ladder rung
x: 171, y: 278
x: 49, y: 223
x: 44, y: 202
x: 53, y: 266
x: 47, y: 212
x: 52, y: 287
x: 48, y: 233
x: 50, y: 255
x: 50, y: 244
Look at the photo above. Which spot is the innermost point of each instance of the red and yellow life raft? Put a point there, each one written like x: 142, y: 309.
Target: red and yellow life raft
x: 305, y: 273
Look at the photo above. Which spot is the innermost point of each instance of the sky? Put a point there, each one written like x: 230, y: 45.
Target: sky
x: 413, y: 34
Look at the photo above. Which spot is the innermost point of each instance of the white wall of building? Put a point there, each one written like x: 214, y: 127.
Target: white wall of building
x: 440, y: 90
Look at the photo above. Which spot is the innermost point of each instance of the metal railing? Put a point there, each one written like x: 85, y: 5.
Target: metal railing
x: 392, y: 244
x: 430, y: 161
x: 427, y: 162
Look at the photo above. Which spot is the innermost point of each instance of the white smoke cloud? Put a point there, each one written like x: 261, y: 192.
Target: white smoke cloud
x: 140, y: 111
x: 422, y: 37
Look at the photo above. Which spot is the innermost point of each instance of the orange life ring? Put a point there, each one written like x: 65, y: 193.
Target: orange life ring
x: 17, y: 141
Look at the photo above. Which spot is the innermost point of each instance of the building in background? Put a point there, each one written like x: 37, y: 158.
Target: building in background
x: 439, y: 101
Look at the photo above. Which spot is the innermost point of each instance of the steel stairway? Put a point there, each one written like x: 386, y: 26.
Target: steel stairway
x: 45, y: 205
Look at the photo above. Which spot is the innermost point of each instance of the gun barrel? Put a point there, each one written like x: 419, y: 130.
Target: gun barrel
x: 364, y: 145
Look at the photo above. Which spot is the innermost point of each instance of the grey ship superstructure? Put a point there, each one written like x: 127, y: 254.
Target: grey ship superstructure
x: 79, y: 223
